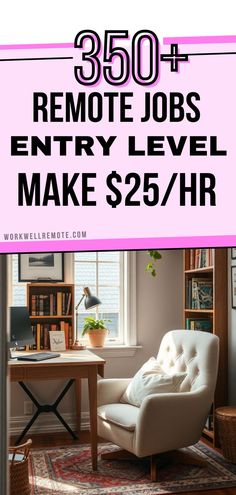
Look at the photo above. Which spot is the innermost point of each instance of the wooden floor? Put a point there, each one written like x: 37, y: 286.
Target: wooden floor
x: 63, y: 439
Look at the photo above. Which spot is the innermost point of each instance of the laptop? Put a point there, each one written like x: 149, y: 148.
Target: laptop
x: 38, y: 356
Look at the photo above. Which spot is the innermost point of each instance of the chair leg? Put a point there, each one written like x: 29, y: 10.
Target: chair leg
x: 174, y: 457
x: 154, y: 459
x: 125, y: 455
x: 157, y: 460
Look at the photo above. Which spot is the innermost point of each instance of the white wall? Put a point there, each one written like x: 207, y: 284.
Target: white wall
x: 159, y: 309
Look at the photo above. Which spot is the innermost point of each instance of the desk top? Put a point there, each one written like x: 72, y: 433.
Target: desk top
x: 70, y: 364
x: 67, y: 358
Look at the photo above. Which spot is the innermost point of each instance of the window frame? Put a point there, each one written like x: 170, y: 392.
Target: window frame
x: 128, y: 334
x: 10, y: 285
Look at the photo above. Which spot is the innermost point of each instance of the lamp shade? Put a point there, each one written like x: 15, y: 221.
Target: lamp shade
x: 90, y: 301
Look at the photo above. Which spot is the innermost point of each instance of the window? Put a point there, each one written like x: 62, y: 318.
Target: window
x: 17, y: 292
x: 108, y: 275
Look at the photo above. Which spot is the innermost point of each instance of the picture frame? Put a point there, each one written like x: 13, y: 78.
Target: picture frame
x: 41, y: 267
x: 233, y: 253
x: 57, y: 340
x: 233, y: 286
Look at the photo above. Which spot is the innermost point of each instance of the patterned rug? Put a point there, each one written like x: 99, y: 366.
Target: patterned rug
x: 67, y: 471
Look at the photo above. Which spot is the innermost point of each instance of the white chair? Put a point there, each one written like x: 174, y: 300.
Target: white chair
x: 166, y: 421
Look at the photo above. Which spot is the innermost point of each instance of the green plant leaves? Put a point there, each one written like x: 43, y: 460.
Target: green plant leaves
x: 150, y: 267
x: 94, y: 324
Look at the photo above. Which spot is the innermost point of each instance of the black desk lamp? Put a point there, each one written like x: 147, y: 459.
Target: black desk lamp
x: 90, y: 302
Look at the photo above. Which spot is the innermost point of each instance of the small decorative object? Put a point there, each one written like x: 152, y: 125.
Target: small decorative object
x: 57, y: 340
x: 96, y: 331
x: 233, y: 253
x: 90, y: 302
x: 233, y: 286
x: 41, y: 267
x: 151, y: 267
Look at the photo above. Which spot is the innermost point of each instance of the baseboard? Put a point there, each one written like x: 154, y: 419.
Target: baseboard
x: 47, y: 423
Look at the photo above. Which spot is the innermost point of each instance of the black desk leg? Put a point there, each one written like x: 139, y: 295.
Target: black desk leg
x: 46, y: 408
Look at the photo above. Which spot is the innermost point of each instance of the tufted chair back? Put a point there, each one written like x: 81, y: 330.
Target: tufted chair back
x: 192, y: 351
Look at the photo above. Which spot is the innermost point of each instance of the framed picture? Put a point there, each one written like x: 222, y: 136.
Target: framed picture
x: 57, y: 340
x: 233, y: 253
x: 233, y: 286
x: 41, y: 267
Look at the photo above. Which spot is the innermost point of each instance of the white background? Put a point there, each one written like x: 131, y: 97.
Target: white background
x: 28, y: 21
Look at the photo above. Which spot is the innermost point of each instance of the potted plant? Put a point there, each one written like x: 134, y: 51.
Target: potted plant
x: 96, y: 331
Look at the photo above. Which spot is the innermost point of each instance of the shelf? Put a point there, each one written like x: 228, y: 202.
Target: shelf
x: 199, y: 311
x: 207, y: 269
x: 41, y: 317
x: 52, y: 285
x: 215, y: 276
x: 52, y: 307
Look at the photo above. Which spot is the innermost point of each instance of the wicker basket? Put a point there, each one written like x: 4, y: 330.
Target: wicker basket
x: 19, y: 474
x: 226, y: 429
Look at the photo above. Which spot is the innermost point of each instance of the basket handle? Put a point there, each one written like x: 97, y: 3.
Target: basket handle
x: 21, y: 449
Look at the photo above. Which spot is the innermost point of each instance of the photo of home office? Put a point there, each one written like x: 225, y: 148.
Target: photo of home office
x: 116, y: 360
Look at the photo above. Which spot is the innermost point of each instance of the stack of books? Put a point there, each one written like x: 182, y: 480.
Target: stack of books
x: 51, y: 304
x: 201, y: 258
x: 204, y: 324
x: 41, y: 334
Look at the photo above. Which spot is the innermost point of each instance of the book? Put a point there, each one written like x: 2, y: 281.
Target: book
x: 197, y: 258
x: 194, y: 300
x: 188, y: 293
x: 46, y: 328
x: 205, y: 294
x: 202, y: 293
x: 33, y: 305
x: 59, y: 303
x: 200, y: 258
x: 204, y: 324
x: 192, y: 259
x: 66, y: 330
x: 38, y: 336
x: 70, y: 337
x: 203, y: 258
x: 68, y: 304
x: 51, y: 304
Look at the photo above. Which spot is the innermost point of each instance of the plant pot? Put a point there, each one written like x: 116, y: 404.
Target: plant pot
x: 97, y: 337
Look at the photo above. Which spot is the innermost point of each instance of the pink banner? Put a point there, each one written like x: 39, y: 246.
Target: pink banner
x: 106, y: 166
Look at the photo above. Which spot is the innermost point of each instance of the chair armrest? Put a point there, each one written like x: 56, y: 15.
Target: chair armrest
x: 110, y: 390
x: 171, y: 421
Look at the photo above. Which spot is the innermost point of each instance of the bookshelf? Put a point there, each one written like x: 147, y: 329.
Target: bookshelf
x: 51, y: 307
x: 205, y: 308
